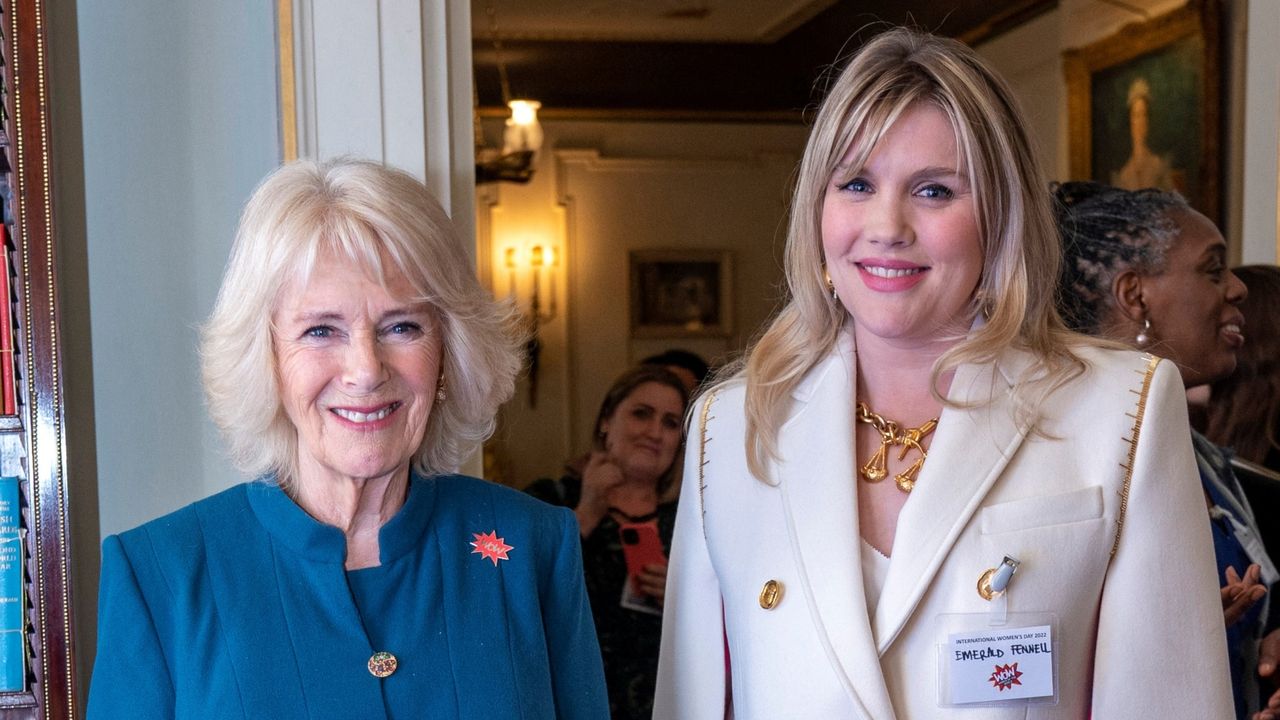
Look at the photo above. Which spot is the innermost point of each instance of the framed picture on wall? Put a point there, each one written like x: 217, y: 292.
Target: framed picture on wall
x: 1144, y: 106
x: 681, y: 293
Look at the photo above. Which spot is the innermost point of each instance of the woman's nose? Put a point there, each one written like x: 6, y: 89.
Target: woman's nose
x: 1237, y: 291
x: 654, y: 429
x: 886, y: 223
x: 364, y: 369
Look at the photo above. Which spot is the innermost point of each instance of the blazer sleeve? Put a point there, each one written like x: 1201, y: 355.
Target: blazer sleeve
x: 577, y: 675
x: 692, y: 680
x: 131, y: 677
x: 1161, y: 646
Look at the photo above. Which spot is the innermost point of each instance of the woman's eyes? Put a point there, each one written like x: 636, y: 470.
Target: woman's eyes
x: 645, y: 413
x: 935, y: 191
x: 1217, y: 271
x: 398, y: 330
x: 404, y: 329
x: 928, y: 191
x: 857, y: 185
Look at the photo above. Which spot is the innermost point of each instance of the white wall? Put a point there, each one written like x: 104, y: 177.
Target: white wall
x: 180, y: 122
x: 1261, y: 191
x: 603, y: 189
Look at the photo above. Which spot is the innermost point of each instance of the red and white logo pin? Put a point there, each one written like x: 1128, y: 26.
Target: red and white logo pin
x: 490, y: 546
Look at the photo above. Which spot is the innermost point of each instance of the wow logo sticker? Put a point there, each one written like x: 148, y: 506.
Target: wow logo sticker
x: 1005, y: 677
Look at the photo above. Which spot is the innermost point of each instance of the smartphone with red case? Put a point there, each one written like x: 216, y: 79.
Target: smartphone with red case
x: 641, y: 546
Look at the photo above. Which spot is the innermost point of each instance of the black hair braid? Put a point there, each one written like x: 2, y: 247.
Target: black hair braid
x: 1106, y: 231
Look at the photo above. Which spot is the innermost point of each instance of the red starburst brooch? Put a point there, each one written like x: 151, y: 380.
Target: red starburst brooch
x: 490, y: 546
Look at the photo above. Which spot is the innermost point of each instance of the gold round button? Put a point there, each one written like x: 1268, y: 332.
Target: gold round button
x: 382, y: 664
x: 984, y: 585
x: 771, y: 595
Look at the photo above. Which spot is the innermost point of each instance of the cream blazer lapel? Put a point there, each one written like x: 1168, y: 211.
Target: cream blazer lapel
x: 970, y: 449
x: 816, y: 481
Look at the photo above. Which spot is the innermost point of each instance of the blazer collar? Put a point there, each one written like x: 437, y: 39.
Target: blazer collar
x: 817, y: 477
x: 971, y: 447
x: 816, y: 481
x: 293, y: 528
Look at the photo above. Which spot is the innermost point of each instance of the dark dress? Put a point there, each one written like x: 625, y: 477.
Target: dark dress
x: 629, y: 639
x: 1232, y: 522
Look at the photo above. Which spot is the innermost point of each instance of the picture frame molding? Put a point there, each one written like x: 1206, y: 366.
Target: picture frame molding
x: 1202, y: 17
x: 724, y: 260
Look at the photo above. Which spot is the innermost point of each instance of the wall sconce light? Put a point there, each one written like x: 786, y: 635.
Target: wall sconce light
x: 522, y: 137
x: 540, y: 259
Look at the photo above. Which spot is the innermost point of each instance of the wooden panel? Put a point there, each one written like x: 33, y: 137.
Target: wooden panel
x: 36, y: 435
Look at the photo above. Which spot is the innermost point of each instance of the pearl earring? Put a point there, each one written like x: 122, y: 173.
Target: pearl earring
x: 1144, y: 335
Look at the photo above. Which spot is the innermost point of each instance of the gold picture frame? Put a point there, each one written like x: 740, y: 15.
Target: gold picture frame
x: 681, y: 293
x: 1145, y: 106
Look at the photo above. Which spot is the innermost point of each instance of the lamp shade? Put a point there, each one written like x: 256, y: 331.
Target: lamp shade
x: 523, y: 133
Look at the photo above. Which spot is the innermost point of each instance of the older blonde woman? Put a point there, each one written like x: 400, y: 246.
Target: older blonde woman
x: 922, y: 496
x: 351, y: 359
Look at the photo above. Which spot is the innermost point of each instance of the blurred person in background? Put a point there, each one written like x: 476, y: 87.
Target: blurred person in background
x: 624, y: 500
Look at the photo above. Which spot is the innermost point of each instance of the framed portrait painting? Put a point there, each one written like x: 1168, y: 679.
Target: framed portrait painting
x: 1144, y: 106
x: 681, y: 293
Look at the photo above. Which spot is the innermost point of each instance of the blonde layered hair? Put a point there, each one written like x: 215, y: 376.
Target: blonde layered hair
x: 1020, y: 246
x: 380, y: 220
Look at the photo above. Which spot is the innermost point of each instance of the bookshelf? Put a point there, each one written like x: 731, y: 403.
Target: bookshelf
x: 32, y: 430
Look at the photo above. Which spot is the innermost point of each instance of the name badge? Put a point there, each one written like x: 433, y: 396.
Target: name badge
x: 997, y: 665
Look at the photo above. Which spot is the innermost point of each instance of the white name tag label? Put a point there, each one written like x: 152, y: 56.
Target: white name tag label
x: 994, y: 665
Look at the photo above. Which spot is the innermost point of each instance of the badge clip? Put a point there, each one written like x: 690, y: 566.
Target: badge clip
x: 995, y: 580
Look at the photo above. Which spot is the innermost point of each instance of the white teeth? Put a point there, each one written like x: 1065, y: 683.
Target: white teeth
x: 359, y: 417
x: 1232, y: 328
x: 885, y: 272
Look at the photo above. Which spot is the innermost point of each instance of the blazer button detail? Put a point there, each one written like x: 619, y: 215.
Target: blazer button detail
x: 382, y: 664
x: 771, y: 595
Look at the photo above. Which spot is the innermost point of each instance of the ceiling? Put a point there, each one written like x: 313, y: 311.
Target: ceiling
x: 714, y: 59
x: 714, y: 21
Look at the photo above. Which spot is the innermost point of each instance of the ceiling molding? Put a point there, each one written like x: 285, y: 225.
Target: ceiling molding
x: 776, y: 81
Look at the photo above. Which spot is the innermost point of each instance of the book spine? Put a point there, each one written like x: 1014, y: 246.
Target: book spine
x: 8, y: 395
x: 13, y: 653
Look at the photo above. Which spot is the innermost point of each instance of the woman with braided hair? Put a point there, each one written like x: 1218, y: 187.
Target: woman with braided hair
x: 1144, y: 268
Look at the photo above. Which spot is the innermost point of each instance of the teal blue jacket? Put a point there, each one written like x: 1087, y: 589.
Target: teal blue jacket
x: 238, y: 606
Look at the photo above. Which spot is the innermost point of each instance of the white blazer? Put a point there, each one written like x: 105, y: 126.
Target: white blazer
x: 1140, y: 634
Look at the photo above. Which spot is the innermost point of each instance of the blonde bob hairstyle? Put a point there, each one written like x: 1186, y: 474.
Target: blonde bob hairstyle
x: 382, y: 221
x: 1019, y: 240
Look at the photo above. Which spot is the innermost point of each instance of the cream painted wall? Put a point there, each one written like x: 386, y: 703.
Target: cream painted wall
x: 1260, y: 191
x: 601, y: 191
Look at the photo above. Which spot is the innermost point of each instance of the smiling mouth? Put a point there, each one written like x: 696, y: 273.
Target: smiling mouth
x: 885, y: 272
x: 361, y: 417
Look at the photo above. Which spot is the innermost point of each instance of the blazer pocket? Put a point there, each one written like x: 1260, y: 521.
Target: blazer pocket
x: 1043, y: 511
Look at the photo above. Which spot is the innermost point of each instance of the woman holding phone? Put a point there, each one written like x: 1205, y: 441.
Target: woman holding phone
x: 626, y: 514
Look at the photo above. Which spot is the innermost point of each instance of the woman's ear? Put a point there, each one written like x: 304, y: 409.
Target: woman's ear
x: 1126, y: 290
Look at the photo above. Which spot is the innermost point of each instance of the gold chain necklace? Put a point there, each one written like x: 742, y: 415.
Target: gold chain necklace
x: 876, y: 469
